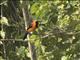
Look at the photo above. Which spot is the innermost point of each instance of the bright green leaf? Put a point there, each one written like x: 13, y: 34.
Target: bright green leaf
x: 2, y: 33
x: 4, y: 20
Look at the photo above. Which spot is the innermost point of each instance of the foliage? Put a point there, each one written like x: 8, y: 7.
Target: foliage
x: 58, y: 34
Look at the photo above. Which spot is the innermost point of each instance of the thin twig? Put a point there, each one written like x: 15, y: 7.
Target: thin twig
x: 3, y: 2
x: 13, y: 40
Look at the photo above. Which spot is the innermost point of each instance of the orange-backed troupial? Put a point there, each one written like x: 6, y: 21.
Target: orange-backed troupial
x: 31, y: 28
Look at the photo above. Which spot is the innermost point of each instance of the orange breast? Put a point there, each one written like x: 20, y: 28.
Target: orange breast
x: 33, y: 27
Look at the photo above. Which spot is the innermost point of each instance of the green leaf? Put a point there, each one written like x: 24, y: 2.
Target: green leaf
x: 1, y: 58
x: 34, y: 8
x: 21, y: 51
x: 64, y: 58
x: 77, y: 27
x: 4, y: 20
x: 37, y: 43
x: 2, y: 33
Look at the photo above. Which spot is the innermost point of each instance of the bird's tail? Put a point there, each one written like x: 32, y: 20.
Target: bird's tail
x: 25, y: 36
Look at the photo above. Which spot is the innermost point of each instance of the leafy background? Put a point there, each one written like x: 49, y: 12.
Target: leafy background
x: 58, y: 34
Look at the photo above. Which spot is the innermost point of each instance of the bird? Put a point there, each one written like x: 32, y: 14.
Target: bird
x: 31, y: 28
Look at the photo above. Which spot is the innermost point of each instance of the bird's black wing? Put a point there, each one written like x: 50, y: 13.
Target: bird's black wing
x: 29, y: 27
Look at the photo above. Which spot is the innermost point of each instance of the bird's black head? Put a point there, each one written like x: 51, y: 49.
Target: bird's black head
x: 37, y: 24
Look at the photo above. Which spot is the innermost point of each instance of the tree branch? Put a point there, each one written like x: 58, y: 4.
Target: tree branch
x: 30, y: 45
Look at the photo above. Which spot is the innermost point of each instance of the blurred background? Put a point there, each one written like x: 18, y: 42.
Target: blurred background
x: 56, y: 38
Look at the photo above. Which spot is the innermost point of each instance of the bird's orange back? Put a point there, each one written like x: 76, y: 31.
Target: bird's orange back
x: 33, y: 26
